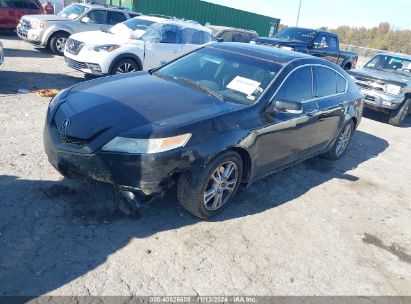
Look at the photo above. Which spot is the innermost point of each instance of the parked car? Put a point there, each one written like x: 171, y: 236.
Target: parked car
x: 12, y: 10
x: 230, y: 34
x: 53, y: 30
x: 1, y: 53
x: 314, y: 42
x: 386, y: 83
x: 124, y: 49
x: 223, y: 115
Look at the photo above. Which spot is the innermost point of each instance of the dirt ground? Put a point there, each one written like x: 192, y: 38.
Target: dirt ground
x: 320, y: 228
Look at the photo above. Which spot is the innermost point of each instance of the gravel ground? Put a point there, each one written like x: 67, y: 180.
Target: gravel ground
x: 320, y: 228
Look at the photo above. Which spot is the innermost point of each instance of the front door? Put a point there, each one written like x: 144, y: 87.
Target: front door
x: 95, y: 20
x: 287, y: 135
x: 166, y: 49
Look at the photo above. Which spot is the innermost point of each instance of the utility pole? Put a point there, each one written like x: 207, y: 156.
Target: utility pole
x: 298, y: 16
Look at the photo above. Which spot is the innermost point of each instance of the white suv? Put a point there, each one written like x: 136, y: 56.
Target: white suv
x: 141, y: 43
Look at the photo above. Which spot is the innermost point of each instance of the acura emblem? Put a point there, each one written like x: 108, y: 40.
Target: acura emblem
x: 66, y: 123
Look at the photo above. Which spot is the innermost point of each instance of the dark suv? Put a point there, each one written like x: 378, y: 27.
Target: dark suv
x: 231, y: 34
x: 12, y: 10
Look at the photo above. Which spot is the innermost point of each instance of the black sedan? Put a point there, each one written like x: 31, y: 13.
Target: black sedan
x: 224, y: 115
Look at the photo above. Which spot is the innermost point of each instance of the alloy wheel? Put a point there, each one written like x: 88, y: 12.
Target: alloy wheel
x: 344, y: 139
x: 221, y: 185
x: 125, y: 68
x: 60, y: 44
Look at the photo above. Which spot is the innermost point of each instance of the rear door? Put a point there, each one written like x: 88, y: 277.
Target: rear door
x: 115, y: 17
x: 331, y: 97
x: 287, y: 136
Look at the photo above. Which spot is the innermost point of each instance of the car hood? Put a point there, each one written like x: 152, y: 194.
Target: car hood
x: 135, y: 105
x: 99, y: 38
x: 280, y: 42
x: 46, y: 17
x: 382, y: 75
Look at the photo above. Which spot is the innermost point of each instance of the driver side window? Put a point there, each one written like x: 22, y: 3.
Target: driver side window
x: 170, y: 34
x: 320, y: 42
x: 297, y: 87
x: 97, y: 17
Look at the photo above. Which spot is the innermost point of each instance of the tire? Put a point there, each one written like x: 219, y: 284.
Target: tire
x: 193, y: 185
x: 342, y: 142
x: 347, y: 67
x: 397, y: 116
x: 58, y: 42
x: 125, y: 65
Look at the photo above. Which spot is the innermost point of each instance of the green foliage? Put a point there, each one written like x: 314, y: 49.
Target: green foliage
x: 382, y: 37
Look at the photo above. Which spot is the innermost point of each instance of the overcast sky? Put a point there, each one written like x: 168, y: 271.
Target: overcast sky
x: 331, y: 13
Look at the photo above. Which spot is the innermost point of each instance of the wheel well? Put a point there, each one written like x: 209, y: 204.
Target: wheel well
x: 54, y: 34
x: 245, y: 157
x: 348, y: 66
x: 126, y: 57
x: 354, y: 119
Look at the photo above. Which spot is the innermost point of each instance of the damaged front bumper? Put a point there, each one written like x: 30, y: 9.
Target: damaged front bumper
x: 145, y: 174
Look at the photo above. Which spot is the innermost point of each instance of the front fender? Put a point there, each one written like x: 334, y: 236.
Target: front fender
x: 54, y: 29
x: 133, y: 56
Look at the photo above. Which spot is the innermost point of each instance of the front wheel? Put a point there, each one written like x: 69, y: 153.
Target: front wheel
x: 341, y: 143
x: 125, y: 66
x: 208, y: 191
x: 58, y: 43
x: 398, y: 116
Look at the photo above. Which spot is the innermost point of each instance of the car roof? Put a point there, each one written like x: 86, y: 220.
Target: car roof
x: 261, y: 51
x: 108, y: 7
x: 186, y: 24
x: 223, y: 28
x: 405, y: 56
x: 308, y: 29
x: 151, y: 18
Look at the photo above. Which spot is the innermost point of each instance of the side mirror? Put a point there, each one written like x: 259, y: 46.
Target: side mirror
x: 288, y: 107
x: 220, y: 40
x: 85, y: 20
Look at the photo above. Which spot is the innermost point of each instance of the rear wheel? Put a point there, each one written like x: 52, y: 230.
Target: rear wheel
x: 124, y: 66
x: 58, y: 43
x: 397, y: 116
x: 341, y: 143
x: 208, y: 191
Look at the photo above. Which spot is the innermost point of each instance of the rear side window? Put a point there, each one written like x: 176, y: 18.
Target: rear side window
x: 194, y: 36
x: 115, y: 17
x: 297, y: 87
x: 239, y: 37
x: 341, y: 84
x: 332, y: 42
x: 326, y: 82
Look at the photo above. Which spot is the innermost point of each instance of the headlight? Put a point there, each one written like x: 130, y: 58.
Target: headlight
x: 37, y: 25
x: 393, y: 89
x: 55, y: 100
x: 106, y: 48
x: 146, y: 146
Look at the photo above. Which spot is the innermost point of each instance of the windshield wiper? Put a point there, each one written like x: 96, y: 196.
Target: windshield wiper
x: 202, y: 88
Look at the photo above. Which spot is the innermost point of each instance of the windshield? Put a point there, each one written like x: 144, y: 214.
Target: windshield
x: 391, y: 64
x: 131, y: 25
x: 72, y: 11
x: 229, y: 76
x: 303, y: 35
